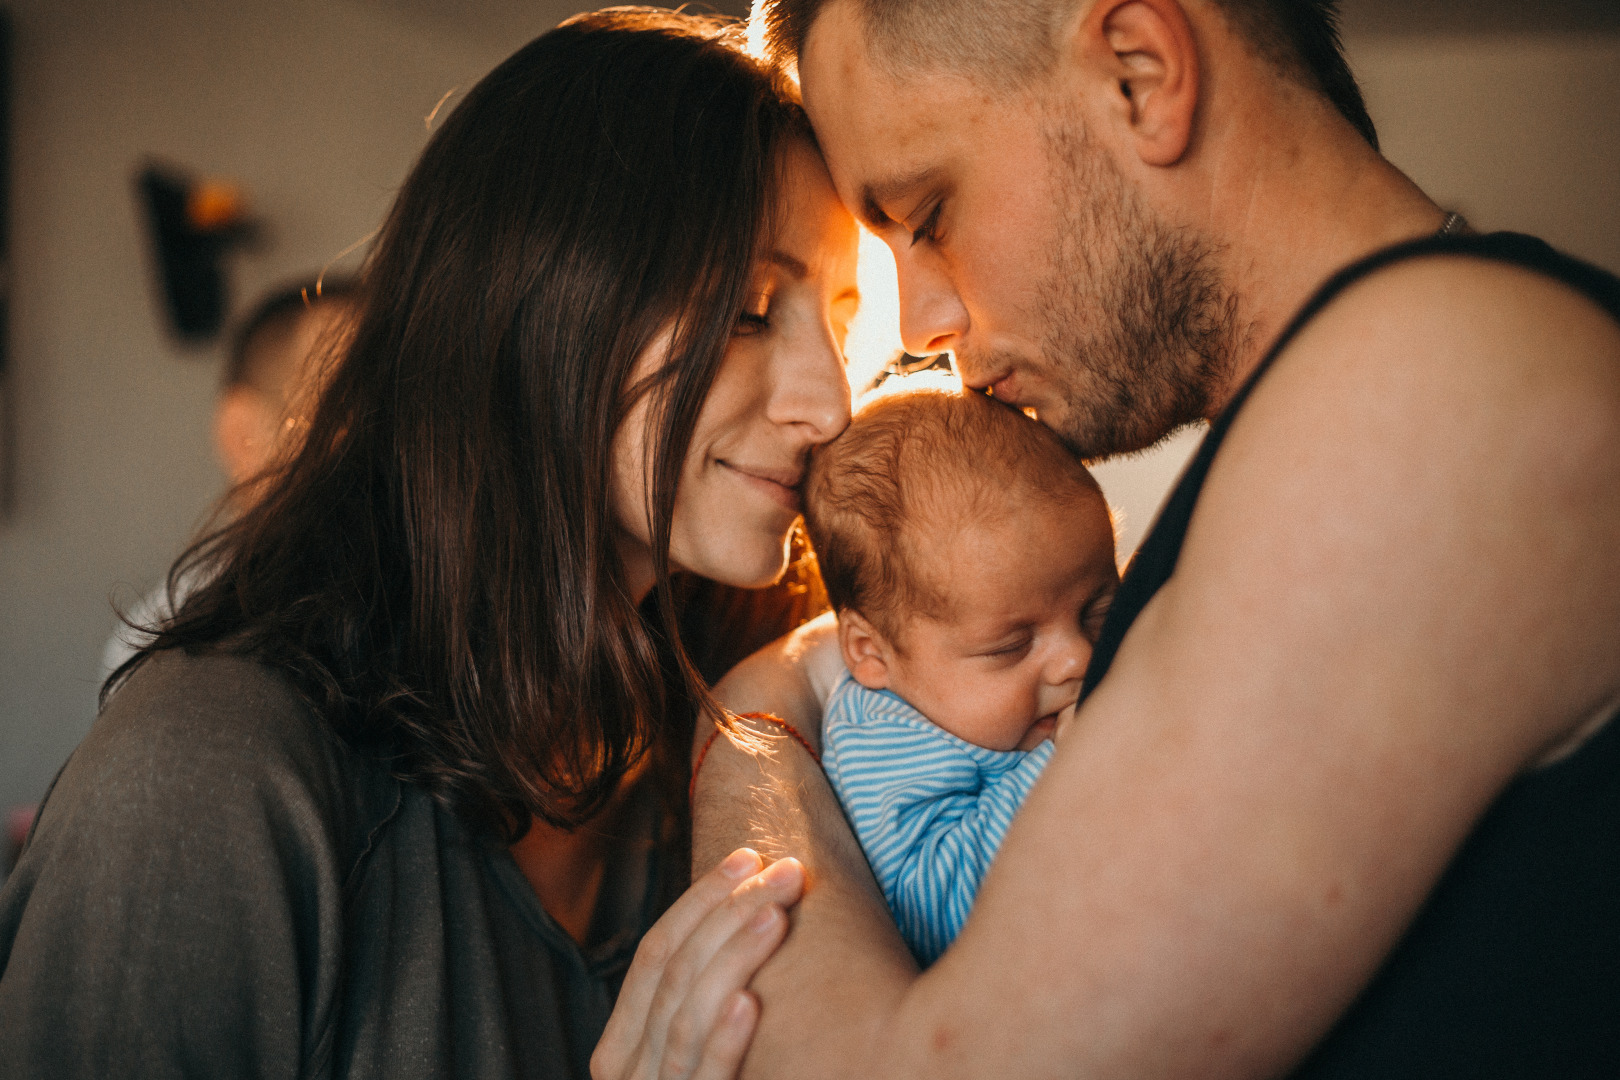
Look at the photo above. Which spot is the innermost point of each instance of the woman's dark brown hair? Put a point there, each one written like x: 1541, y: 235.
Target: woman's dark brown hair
x: 436, y: 568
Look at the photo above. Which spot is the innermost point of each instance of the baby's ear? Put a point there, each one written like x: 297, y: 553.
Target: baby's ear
x: 866, y: 652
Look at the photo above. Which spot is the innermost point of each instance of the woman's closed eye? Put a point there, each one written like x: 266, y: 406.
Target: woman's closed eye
x: 754, y: 317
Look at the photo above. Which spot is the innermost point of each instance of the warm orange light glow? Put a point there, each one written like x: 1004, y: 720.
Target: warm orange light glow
x: 874, y: 336
x: 214, y: 204
x: 754, y: 43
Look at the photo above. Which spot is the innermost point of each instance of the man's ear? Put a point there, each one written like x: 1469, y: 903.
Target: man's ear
x: 1145, y: 54
x: 866, y: 651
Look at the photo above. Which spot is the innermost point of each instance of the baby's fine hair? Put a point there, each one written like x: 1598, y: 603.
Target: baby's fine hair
x: 914, y: 462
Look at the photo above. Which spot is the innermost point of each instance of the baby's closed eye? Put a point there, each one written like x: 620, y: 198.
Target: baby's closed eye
x: 1008, y: 649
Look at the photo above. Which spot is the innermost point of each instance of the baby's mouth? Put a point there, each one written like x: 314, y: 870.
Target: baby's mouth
x: 1041, y: 730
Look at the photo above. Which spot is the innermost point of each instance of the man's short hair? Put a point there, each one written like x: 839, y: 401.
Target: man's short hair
x: 1006, y: 42
x: 256, y: 358
x: 913, y: 463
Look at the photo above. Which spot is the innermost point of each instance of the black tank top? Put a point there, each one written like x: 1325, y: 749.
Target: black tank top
x: 1512, y: 967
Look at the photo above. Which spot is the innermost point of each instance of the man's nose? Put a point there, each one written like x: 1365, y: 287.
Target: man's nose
x: 932, y: 317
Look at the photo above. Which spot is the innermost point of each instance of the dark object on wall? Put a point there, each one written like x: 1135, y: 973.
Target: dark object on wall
x: 193, y: 223
x: 8, y: 391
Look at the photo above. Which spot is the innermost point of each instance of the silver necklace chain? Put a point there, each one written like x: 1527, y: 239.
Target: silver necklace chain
x: 1454, y: 224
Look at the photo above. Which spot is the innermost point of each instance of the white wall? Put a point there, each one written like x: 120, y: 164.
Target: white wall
x: 1517, y: 131
x: 317, y: 107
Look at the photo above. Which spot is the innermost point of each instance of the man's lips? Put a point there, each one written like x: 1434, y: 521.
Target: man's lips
x: 779, y: 484
x: 1002, y: 387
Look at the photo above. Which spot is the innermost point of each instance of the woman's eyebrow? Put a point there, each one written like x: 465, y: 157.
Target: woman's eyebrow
x: 792, y: 265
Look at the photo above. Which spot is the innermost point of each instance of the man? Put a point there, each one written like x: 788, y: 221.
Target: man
x: 1347, y: 802
x: 270, y: 374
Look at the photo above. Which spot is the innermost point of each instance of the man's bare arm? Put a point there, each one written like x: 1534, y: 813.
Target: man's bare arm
x: 774, y: 798
x: 1396, y: 595
x: 764, y: 791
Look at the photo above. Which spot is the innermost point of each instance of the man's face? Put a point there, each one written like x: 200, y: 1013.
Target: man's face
x: 1021, y: 247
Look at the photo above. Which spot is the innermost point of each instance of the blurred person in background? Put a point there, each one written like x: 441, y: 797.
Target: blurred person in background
x: 270, y: 380
x: 271, y: 377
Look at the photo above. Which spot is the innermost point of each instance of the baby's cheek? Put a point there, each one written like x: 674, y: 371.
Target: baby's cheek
x: 1009, y: 712
x: 968, y: 708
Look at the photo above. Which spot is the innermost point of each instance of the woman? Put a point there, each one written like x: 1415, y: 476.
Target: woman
x: 399, y: 789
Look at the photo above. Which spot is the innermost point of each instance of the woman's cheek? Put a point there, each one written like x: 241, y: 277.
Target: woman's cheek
x: 755, y: 558
x: 715, y: 537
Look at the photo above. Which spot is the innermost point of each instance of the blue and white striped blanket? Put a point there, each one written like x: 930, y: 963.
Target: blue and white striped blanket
x: 929, y: 809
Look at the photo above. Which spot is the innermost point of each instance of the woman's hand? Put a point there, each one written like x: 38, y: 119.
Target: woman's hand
x: 685, y: 1010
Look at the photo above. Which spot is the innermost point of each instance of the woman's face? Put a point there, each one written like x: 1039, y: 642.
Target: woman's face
x: 781, y: 390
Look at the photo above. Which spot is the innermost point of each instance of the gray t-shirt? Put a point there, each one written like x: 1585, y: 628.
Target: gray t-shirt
x: 218, y: 886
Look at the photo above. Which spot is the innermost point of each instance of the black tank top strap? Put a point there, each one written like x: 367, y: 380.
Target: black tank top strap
x: 1512, y: 967
x: 1155, y: 559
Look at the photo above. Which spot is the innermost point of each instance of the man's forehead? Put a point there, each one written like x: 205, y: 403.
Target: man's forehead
x: 878, y: 129
x: 842, y: 84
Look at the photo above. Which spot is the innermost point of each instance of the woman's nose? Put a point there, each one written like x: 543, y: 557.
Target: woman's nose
x: 932, y: 316
x: 811, y: 389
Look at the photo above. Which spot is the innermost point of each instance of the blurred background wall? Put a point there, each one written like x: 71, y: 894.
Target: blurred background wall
x: 1508, y: 112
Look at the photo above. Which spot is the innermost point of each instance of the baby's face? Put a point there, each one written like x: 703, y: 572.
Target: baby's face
x: 1028, y: 592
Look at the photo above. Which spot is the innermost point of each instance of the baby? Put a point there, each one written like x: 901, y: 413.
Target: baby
x: 970, y: 559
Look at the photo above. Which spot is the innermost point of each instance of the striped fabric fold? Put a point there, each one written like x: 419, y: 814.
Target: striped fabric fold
x: 929, y: 809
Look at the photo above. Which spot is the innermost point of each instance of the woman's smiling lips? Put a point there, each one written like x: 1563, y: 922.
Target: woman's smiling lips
x: 781, y: 485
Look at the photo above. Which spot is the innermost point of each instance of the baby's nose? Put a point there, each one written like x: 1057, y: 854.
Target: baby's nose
x: 1069, y: 664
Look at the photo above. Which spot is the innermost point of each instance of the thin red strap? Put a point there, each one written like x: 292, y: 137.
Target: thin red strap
x: 785, y: 726
x: 708, y: 744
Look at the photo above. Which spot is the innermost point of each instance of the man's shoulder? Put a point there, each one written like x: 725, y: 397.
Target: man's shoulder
x: 1443, y: 355
x: 1433, y: 456
x: 1467, y: 314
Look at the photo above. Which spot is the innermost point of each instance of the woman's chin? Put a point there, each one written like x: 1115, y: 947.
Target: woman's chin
x: 746, y: 579
x: 742, y: 569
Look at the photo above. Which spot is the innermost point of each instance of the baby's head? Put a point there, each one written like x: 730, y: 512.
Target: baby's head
x: 970, y: 558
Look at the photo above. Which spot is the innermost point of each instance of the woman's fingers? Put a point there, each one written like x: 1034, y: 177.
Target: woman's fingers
x: 625, y: 1028
x: 720, y: 955
x: 698, y: 1025
x: 723, y: 1054
x: 679, y: 1014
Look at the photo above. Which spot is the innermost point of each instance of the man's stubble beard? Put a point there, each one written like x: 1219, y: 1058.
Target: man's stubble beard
x: 1139, y: 332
